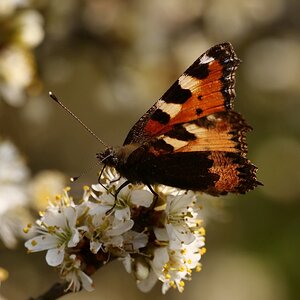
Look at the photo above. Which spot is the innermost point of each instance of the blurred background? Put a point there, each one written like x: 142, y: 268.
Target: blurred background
x: 108, y: 61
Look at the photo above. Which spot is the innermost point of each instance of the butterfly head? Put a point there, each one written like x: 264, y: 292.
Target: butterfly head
x: 108, y: 157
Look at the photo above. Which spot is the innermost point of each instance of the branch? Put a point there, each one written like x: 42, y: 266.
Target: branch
x: 56, y: 291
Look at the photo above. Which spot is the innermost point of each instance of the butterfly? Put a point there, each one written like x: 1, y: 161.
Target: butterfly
x: 191, y: 138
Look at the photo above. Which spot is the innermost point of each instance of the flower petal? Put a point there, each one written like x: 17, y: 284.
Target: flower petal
x: 55, y: 257
x: 95, y: 246
x: 141, y: 198
x: 161, y: 234
x: 87, y: 282
x: 71, y: 216
x: 180, y: 233
x: 147, y: 284
x: 41, y: 242
x: 74, y: 240
x: 120, y: 228
x: 161, y: 257
x: 123, y: 214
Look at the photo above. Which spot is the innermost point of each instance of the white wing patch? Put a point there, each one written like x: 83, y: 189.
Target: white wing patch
x: 196, y: 130
x: 189, y: 82
x: 171, y: 109
x: 205, y: 59
x: 175, y: 143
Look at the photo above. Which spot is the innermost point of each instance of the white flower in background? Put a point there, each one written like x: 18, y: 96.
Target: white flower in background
x: 7, y: 7
x: 12, y: 165
x: 44, y: 186
x: 18, y: 192
x: 3, y: 275
x: 12, y: 221
x: 14, y: 176
x: 16, y: 72
x: 71, y: 272
x: 15, y: 66
x: 22, y: 32
x: 30, y: 28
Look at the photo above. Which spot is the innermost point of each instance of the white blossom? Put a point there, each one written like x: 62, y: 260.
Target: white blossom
x: 30, y: 24
x: 71, y: 272
x: 57, y: 231
x: 157, y: 239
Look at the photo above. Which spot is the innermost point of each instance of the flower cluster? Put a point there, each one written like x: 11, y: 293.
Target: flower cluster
x: 21, y: 30
x: 157, y: 237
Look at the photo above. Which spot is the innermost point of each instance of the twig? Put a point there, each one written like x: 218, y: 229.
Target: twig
x: 56, y: 291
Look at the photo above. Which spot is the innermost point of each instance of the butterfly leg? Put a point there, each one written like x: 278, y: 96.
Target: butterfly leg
x: 120, y: 188
x: 155, y: 198
x: 115, y: 180
x: 99, y: 178
x: 116, y: 195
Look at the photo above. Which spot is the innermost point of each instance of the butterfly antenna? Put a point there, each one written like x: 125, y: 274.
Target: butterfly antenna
x: 53, y: 97
x: 75, y: 178
x: 93, y: 165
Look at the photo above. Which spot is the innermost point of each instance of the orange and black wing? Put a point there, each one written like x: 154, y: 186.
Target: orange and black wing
x: 192, y: 137
x: 206, y: 87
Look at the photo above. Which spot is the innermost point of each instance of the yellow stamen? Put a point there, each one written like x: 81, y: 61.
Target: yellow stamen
x: 202, y: 231
x: 181, y: 269
x: 198, y: 268
x: 203, y: 250
x: 183, y: 251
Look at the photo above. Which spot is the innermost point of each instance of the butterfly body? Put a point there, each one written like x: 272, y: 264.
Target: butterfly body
x: 191, y: 138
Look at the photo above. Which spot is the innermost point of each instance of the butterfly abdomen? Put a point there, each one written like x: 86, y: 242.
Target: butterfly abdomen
x: 216, y: 173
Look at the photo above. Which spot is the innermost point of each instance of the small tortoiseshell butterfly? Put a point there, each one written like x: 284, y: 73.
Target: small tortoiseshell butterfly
x: 191, y: 138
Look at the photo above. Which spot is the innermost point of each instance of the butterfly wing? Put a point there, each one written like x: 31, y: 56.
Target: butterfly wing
x: 206, y: 154
x: 206, y: 87
x: 191, y: 138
